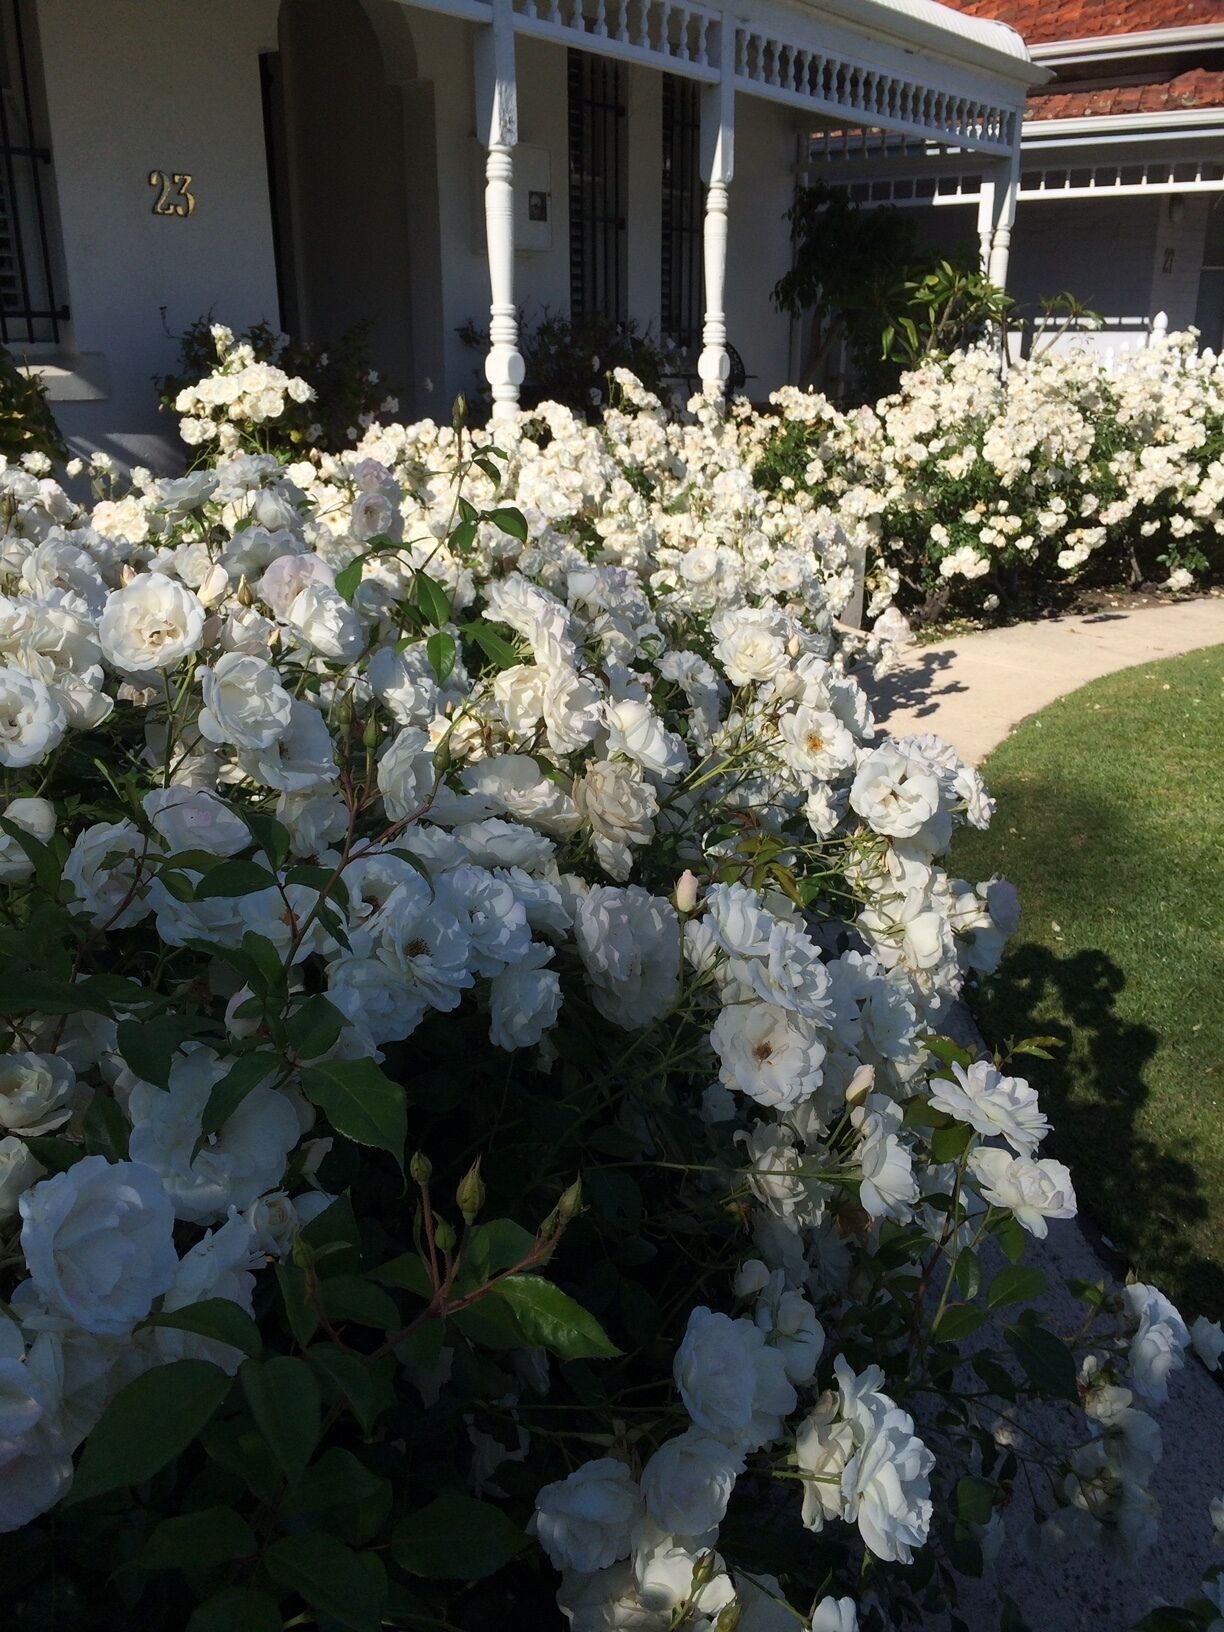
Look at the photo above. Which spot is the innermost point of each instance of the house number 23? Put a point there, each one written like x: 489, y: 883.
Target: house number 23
x: 174, y: 195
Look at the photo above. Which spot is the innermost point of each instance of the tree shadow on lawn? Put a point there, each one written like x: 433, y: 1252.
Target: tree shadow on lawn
x: 1139, y: 1196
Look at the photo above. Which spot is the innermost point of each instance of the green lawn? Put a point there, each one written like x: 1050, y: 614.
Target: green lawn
x: 1111, y: 825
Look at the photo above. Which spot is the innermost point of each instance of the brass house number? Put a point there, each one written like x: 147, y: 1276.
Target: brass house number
x: 174, y: 195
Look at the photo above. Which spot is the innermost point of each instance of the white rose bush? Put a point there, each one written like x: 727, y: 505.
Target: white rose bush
x: 978, y: 487
x: 479, y: 1143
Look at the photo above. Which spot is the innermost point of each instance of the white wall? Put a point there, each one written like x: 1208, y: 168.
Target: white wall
x: 133, y: 86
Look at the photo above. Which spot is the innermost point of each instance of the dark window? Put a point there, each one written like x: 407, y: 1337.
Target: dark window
x: 597, y: 187
x: 30, y: 308
x: 681, y: 302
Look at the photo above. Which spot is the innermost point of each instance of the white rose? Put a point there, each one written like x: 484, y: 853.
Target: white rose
x: 835, y: 1615
x: 769, y: 1053
x: 150, y: 625
x: 18, y: 1171
x: 524, y: 1000
x: 216, y: 1267
x: 895, y: 793
x: 1159, y: 1344
x: 234, y: 1166
x: 886, y: 1487
x: 992, y: 1104
x: 35, y: 1463
x: 732, y: 1384
x: 38, y: 1092
x: 98, y: 1242
x: 244, y: 702
x: 105, y: 868
x: 629, y: 943
x: 586, y: 1522
x: 327, y: 623
x: 35, y: 817
x: 300, y: 760
x: 32, y: 722
x: 288, y: 575
x: 1033, y: 1190
x: 620, y: 807
x: 514, y: 785
x: 635, y: 730
x: 194, y: 819
x: 1208, y: 1341
x: 688, y: 1481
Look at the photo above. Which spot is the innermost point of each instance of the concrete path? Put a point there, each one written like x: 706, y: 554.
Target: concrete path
x: 975, y: 691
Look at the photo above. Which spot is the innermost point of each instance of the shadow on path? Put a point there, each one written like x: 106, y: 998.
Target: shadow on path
x: 917, y: 687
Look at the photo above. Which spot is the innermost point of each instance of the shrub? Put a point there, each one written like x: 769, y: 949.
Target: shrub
x: 265, y: 392
x: 474, y: 1104
x: 992, y: 487
x: 27, y: 425
x: 571, y: 360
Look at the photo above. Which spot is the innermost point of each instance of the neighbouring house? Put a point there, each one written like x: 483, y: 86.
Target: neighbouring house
x: 424, y: 164
x: 1121, y: 188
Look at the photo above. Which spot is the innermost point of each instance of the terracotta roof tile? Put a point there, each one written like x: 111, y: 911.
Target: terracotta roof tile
x: 1041, y: 21
x: 1196, y: 88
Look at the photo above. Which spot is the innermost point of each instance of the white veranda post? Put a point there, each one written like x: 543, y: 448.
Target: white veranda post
x: 986, y: 221
x: 717, y: 165
x: 497, y: 124
x: 1005, y: 186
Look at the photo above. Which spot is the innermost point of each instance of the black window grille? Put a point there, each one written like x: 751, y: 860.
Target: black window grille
x: 683, y: 207
x: 30, y: 309
x: 596, y: 187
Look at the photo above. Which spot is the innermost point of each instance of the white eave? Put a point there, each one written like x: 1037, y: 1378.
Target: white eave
x: 944, y: 31
x: 1085, y: 129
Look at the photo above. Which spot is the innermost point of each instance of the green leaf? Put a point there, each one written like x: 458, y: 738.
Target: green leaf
x: 237, y: 1609
x: 347, y: 1298
x: 461, y: 538
x: 23, y: 990
x: 149, y: 1046
x: 45, y: 862
x: 198, y: 1540
x: 217, y: 1318
x: 246, y: 1073
x: 56, y: 1155
x: 356, y: 1500
x: 349, y: 1587
x: 1048, y: 1363
x: 233, y: 878
x: 149, y: 1422
x: 301, y: 1319
x: 353, y: 1377
x: 968, y: 1274
x: 348, y: 579
x: 440, y: 650
x: 283, y: 1396
x: 456, y: 1539
x: 1010, y: 1236
x: 106, y: 1129
x: 492, y: 644
x: 313, y: 1027
x: 974, y: 1500
x: 271, y: 836
x: 495, y: 1247
x: 408, y: 1272
x: 961, y: 1320
x: 949, y: 1144
x: 1018, y: 1283
x: 509, y: 520
x: 360, y: 1102
x: 946, y: 1051
x: 432, y: 599
x: 334, y: 1238
x: 551, y: 1319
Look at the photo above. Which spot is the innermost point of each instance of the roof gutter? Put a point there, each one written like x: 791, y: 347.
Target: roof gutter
x: 1104, y: 127
x: 1119, y: 47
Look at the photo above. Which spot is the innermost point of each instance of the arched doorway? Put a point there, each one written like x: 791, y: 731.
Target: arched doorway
x: 334, y: 114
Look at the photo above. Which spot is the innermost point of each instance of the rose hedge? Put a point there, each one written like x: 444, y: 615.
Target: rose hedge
x: 478, y: 1136
x: 981, y: 487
